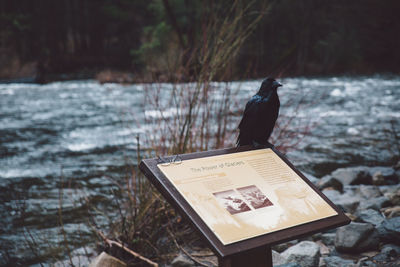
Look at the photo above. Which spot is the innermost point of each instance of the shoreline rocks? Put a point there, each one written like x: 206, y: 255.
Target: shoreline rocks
x: 370, y: 196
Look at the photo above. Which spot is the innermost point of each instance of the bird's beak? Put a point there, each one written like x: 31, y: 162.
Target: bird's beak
x: 276, y: 84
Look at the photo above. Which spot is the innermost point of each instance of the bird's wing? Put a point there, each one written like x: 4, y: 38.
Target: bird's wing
x: 250, y: 113
x: 272, y: 113
x: 249, y: 121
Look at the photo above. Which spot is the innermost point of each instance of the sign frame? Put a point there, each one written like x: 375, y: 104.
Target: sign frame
x: 150, y: 169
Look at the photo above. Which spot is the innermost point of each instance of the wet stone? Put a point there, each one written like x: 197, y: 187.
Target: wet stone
x: 389, y: 189
x: 353, y: 175
x: 389, y: 230
x: 328, y: 239
x: 391, y: 212
x: 182, y: 261
x: 388, y: 252
x: 383, y: 175
x: 329, y: 181
x: 370, y: 216
x: 369, y: 191
x: 311, y: 177
x: 105, y: 260
x: 375, y: 203
x: 277, y: 258
x: 333, y: 195
x: 356, y: 237
x: 335, y: 261
x: 348, y: 203
x: 305, y: 253
x: 291, y: 264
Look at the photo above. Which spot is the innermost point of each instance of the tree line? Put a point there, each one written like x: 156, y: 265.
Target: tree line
x: 301, y: 37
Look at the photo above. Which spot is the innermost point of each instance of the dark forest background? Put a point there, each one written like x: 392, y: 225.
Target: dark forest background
x: 294, y: 37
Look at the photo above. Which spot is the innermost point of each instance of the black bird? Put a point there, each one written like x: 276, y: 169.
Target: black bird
x: 260, y: 115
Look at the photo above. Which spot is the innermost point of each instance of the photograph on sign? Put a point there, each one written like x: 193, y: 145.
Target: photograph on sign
x: 246, y: 194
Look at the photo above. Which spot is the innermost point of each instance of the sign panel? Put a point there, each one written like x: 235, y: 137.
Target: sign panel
x: 246, y: 194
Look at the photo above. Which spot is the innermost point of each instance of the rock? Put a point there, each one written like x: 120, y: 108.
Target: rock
x: 394, y: 197
x: 335, y: 261
x: 389, y: 188
x: 389, y: 230
x: 328, y: 239
x: 383, y: 175
x: 105, y: 260
x: 391, y: 212
x: 277, y: 259
x: 391, y: 249
x: 333, y: 195
x: 283, y: 246
x: 369, y: 191
x: 356, y: 237
x: 311, y: 177
x: 374, y: 203
x: 353, y: 175
x: 348, y: 203
x: 367, y: 263
x: 305, y: 253
x: 388, y: 252
x: 323, y: 249
x: 329, y: 181
x: 397, y: 166
x: 182, y: 261
x: 291, y: 264
x: 370, y: 216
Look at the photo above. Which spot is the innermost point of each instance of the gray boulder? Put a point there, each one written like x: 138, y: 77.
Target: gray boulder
x: 105, y: 260
x: 348, y: 203
x: 353, y: 175
x: 329, y: 181
x: 370, y: 216
x: 182, y: 261
x: 291, y: 264
x: 389, y: 252
x: 333, y: 195
x: 369, y: 191
x: 277, y: 259
x: 374, y: 203
x: 383, y: 175
x: 389, y: 189
x: 335, y: 261
x: 389, y: 230
x: 356, y: 237
x: 311, y: 177
x: 305, y: 253
x: 391, y: 212
x: 328, y: 239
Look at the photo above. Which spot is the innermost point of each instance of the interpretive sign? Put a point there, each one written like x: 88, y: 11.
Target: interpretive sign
x: 246, y: 194
x: 243, y: 198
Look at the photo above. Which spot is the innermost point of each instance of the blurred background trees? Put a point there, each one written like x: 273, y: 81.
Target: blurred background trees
x: 302, y: 37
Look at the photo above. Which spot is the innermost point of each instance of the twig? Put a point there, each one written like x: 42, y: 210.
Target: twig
x: 133, y: 253
x: 184, y: 251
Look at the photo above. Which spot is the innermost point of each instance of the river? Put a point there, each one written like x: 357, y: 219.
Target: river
x: 64, y: 143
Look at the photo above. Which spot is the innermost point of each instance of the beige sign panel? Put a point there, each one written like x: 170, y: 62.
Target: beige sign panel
x: 246, y: 194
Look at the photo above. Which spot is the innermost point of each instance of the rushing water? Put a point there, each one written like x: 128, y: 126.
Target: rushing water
x: 65, y: 142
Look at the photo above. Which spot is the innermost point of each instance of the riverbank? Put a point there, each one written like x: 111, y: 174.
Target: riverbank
x: 370, y: 196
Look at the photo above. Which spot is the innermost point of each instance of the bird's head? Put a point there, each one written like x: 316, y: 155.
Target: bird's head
x: 269, y: 84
